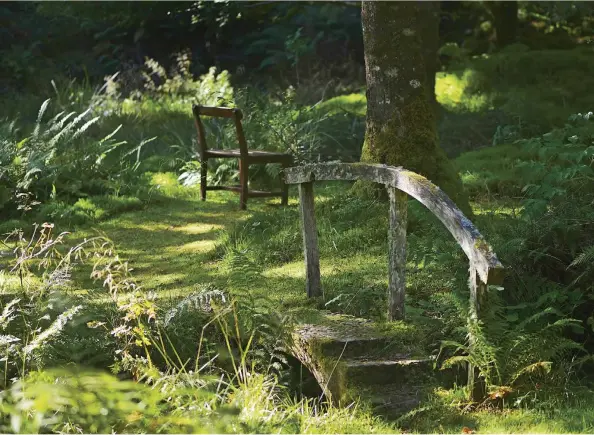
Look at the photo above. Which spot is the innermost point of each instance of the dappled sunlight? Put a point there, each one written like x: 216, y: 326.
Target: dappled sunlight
x: 10, y: 284
x: 455, y: 91
x: 198, y: 228
x: 495, y: 208
x: 294, y: 269
x: 162, y: 312
x: 143, y: 226
x: 160, y: 278
x: 334, y: 266
x: 352, y: 103
x: 198, y: 246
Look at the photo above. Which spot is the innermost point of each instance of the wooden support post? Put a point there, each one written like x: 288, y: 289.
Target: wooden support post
x: 203, y: 174
x: 243, y: 181
x: 397, y: 253
x: 478, y: 300
x: 310, y: 240
x: 284, y: 185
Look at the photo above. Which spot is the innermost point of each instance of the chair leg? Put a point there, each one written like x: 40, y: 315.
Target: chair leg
x: 203, y: 171
x: 284, y: 187
x: 243, y: 180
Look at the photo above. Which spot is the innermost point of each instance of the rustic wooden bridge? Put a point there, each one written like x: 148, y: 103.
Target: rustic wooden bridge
x: 351, y: 356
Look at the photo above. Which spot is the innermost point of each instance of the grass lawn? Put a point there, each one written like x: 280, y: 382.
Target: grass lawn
x: 175, y: 243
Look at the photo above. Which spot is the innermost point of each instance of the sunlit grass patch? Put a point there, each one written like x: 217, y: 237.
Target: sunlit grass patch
x: 199, y: 228
x: 355, y: 104
x: 454, y: 91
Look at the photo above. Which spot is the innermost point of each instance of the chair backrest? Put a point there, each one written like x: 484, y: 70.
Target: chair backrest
x: 219, y: 112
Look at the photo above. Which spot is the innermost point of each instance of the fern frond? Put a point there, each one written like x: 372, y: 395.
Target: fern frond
x: 7, y: 313
x: 540, y: 366
x: 42, y: 110
x: 586, y: 257
x: 537, y: 316
x: 562, y: 323
x: 58, y: 124
x: 201, y: 300
x: 55, y: 328
x: 457, y: 346
x: 68, y: 128
x: 457, y: 360
x: 110, y: 135
x: 85, y: 127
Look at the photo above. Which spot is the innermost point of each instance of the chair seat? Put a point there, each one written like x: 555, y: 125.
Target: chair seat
x: 246, y: 159
x: 255, y: 155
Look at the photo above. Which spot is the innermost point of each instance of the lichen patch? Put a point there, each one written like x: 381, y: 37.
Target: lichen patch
x: 392, y: 72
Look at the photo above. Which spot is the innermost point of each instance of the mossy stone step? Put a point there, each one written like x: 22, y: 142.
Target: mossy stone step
x: 393, y: 400
x: 343, y: 336
x: 387, y: 371
x: 348, y: 355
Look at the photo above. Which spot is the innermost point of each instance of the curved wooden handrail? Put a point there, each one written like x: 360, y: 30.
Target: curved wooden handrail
x: 481, y: 256
x: 485, y: 268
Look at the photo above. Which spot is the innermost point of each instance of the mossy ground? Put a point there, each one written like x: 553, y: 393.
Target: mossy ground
x: 514, y: 93
x: 175, y: 242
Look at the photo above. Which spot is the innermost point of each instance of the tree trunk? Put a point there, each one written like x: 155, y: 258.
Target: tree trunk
x: 505, y: 18
x: 428, y: 21
x: 400, y: 40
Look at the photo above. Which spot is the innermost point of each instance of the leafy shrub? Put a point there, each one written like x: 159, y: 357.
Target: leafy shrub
x: 532, y: 342
x: 210, y: 89
x: 47, y: 164
x: 152, y: 87
x: 521, y: 349
x: 279, y: 124
x: 90, y: 209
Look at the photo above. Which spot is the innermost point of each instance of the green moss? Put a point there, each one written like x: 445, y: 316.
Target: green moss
x: 409, y: 140
x: 539, y: 87
x: 337, y: 338
x: 329, y: 371
x: 483, y: 246
x: 423, y: 180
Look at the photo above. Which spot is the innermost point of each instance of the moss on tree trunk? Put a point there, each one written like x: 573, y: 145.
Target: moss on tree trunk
x: 401, y: 127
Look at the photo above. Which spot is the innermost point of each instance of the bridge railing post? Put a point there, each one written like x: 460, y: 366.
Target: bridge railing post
x: 478, y: 300
x: 397, y: 253
x: 485, y: 267
x: 310, y: 240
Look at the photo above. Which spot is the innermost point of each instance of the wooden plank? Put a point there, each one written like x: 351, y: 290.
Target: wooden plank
x: 264, y: 194
x: 202, y: 151
x: 397, y: 254
x: 263, y: 158
x: 233, y: 188
x: 251, y: 193
x: 221, y: 112
x: 284, y: 186
x: 478, y: 251
x: 243, y: 180
x: 310, y: 240
x: 478, y: 300
x: 255, y: 157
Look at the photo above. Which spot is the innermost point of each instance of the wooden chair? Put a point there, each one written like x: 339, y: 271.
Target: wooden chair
x: 245, y: 156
